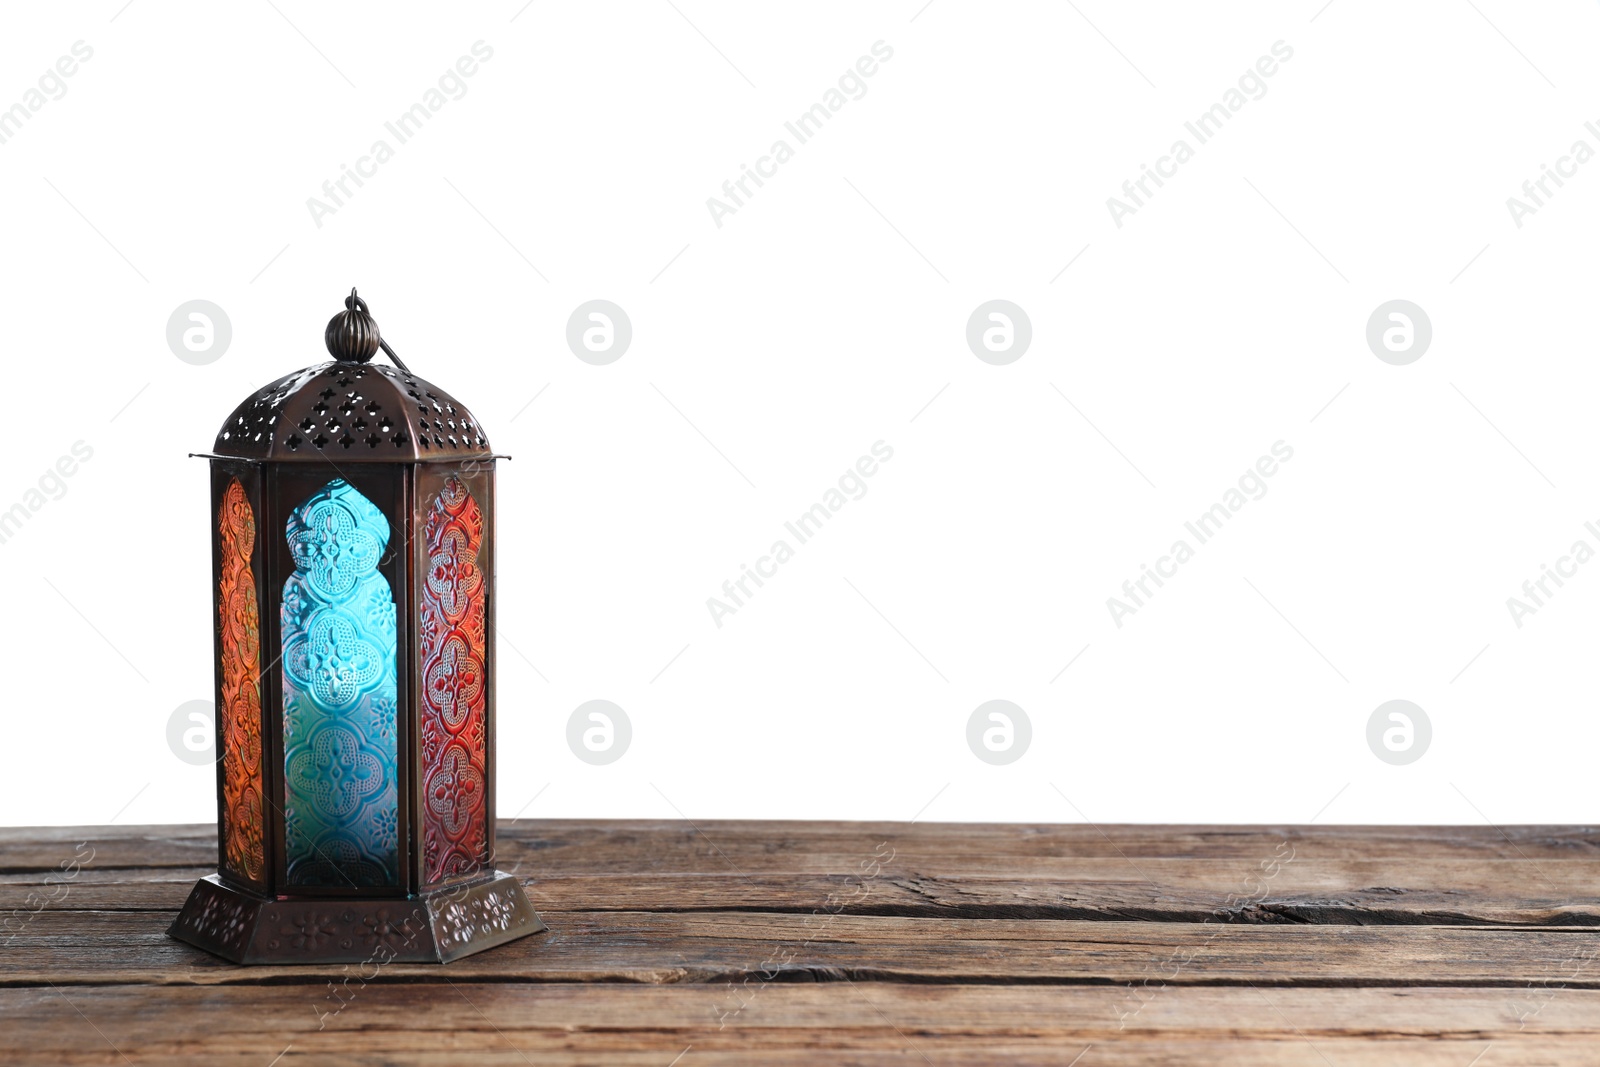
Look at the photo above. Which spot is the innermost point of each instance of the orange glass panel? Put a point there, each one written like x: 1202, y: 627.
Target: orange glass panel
x: 240, y: 713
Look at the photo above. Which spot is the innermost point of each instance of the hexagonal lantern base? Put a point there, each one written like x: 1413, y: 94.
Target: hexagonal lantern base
x: 436, y: 928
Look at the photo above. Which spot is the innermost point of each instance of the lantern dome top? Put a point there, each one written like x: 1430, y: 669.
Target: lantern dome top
x: 352, y: 410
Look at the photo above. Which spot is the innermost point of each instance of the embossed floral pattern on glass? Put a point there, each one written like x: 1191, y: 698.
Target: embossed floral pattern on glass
x: 339, y: 693
x: 454, y: 697
x: 243, y: 847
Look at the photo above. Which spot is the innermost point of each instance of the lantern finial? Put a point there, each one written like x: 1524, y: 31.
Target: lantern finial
x: 352, y: 335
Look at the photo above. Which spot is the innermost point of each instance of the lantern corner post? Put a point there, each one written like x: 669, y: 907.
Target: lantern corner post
x: 223, y: 907
x: 472, y: 904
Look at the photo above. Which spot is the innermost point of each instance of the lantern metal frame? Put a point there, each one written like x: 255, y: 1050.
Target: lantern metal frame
x: 279, y: 447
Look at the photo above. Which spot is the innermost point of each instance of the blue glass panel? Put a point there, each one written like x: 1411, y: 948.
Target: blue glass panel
x: 340, y: 751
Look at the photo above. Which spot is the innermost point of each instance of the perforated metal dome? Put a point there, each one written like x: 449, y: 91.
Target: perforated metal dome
x: 351, y: 412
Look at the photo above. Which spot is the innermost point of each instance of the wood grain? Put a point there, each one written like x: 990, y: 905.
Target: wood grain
x: 784, y: 943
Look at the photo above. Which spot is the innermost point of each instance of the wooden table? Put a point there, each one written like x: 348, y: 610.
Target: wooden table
x: 814, y: 943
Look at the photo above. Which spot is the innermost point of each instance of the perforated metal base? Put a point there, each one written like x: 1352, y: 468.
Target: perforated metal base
x: 438, y: 928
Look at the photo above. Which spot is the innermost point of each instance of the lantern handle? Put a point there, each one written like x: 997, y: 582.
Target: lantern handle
x: 390, y: 353
x: 355, y: 303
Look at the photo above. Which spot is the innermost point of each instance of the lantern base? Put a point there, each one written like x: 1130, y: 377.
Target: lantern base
x: 437, y: 927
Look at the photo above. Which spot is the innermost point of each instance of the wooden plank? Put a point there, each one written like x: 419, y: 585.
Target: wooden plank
x: 827, y: 1047
x: 426, y: 1023
x: 961, y: 943
x: 1306, y: 890
x: 596, y: 846
x: 97, y: 948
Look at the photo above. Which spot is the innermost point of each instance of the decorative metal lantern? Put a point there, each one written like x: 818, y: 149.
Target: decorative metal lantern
x: 353, y: 548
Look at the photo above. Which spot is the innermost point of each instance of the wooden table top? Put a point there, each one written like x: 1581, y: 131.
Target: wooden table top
x: 859, y: 943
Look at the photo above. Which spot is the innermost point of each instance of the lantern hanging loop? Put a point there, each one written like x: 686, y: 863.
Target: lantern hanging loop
x: 353, y: 301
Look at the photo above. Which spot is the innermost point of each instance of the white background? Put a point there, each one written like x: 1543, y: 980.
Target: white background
x: 827, y: 314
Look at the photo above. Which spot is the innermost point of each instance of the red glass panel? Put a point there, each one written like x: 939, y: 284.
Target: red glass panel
x: 454, y: 718
x: 240, y: 713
